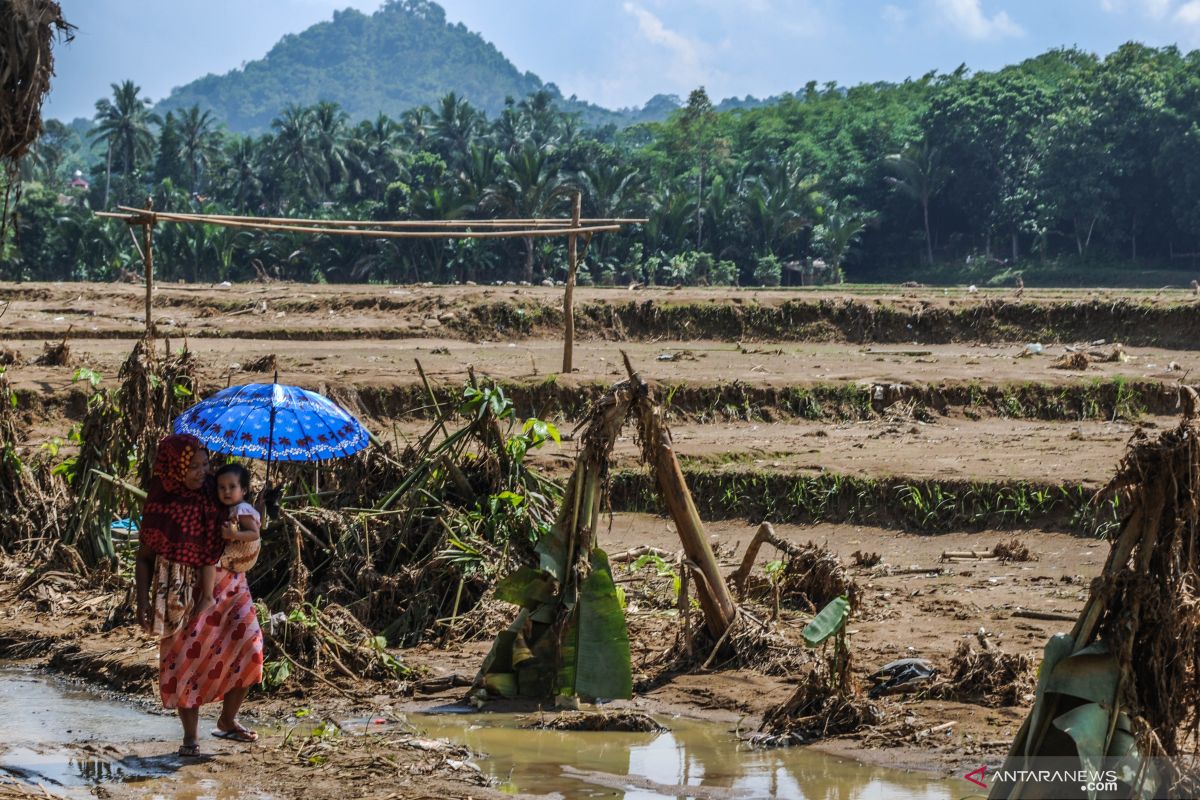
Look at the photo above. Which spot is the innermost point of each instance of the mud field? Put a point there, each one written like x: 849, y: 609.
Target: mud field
x: 892, y: 426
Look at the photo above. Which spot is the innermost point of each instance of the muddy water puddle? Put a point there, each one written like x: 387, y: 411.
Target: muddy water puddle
x: 57, y: 734
x: 72, y: 741
x: 694, y: 759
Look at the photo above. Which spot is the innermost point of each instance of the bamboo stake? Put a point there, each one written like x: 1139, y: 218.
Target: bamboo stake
x: 148, y: 260
x: 569, y: 294
x: 720, y: 610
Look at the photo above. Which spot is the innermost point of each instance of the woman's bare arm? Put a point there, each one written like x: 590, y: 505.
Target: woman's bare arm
x: 143, y: 571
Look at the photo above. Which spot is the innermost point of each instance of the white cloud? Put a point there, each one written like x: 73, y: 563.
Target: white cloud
x: 685, y: 66
x: 1155, y: 9
x: 1189, y: 13
x: 894, y: 15
x: 967, y: 17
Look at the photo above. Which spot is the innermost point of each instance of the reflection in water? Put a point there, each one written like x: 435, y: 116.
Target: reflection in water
x: 707, y: 758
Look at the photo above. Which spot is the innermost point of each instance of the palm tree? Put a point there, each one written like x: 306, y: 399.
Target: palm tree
x: 329, y: 127
x: 298, y: 159
x: 455, y: 125
x: 371, y: 157
x: 920, y: 175
x: 609, y: 189
x: 837, y: 233
x: 777, y: 204
x: 481, y: 170
x: 123, y: 125
x: 414, y: 126
x: 529, y: 187
x: 199, y: 142
x: 240, y: 183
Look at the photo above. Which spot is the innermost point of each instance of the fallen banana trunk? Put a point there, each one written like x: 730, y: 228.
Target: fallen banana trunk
x: 569, y: 638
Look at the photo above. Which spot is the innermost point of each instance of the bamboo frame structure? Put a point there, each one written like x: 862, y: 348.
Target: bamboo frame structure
x: 535, y: 227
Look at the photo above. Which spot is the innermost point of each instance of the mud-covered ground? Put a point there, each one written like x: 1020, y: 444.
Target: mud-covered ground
x: 884, y: 383
x: 924, y: 613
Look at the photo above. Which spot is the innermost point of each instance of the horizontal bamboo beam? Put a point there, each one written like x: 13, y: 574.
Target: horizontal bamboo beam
x: 405, y: 223
x: 442, y: 234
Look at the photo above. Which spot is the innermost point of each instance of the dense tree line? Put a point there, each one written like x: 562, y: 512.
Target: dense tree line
x: 1065, y: 159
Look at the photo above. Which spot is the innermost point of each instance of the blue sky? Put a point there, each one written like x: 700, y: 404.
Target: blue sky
x: 621, y: 52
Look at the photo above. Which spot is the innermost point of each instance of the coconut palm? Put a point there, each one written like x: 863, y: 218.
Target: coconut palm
x: 240, y: 184
x: 298, y: 159
x: 919, y: 174
x: 455, y: 124
x: 837, y: 232
x: 199, y: 142
x: 530, y: 186
x: 123, y: 127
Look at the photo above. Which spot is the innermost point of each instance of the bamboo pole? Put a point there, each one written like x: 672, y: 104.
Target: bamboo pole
x: 381, y: 234
x: 715, y: 598
x: 402, y: 223
x: 569, y: 294
x: 148, y: 261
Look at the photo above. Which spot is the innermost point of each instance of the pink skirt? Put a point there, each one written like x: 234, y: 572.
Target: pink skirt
x: 221, y: 651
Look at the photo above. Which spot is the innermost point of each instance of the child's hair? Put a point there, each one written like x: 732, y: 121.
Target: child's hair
x: 243, y: 476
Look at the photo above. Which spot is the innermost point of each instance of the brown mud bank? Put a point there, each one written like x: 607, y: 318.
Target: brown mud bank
x: 556, y: 398
x: 875, y: 314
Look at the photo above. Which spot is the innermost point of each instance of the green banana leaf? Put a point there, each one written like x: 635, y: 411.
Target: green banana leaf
x: 831, y: 619
x: 552, y: 548
x: 527, y: 587
x: 1057, y: 648
x: 595, y: 644
x: 501, y: 683
x: 1090, y: 674
x: 1088, y: 726
x: 500, y: 658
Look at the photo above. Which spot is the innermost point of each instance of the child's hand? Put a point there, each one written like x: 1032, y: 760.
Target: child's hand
x: 229, y: 531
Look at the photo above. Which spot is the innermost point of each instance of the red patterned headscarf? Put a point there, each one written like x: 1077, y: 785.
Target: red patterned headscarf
x: 178, y: 523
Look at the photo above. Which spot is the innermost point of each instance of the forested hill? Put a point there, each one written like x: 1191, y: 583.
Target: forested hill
x: 404, y: 55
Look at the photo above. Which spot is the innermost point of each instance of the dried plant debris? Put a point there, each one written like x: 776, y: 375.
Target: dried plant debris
x: 1013, y: 550
x: 818, y: 709
x: 54, y: 355
x: 989, y: 676
x: 864, y: 559
x: 265, y: 363
x: 1072, y: 361
x: 611, y: 721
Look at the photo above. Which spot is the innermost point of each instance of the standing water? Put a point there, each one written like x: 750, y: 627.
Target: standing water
x: 57, y: 734
x: 64, y: 738
x: 695, y: 760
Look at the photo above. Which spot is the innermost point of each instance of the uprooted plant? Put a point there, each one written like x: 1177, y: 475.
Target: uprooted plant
x: 827, y: 701
x: 1121, y: 688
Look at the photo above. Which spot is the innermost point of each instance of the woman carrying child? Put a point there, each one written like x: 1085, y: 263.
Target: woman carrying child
x: 210, y: 645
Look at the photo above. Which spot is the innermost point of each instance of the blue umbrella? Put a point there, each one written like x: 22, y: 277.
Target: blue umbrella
x: 273, y: 422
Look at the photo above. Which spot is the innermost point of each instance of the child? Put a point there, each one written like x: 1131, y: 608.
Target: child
x: 241, y: 529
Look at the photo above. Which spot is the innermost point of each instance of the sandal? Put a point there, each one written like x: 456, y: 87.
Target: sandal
x: 189, y: 750
x: 238, y: 734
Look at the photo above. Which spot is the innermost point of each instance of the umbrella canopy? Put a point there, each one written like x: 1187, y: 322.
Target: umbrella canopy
x: 273, y: 422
